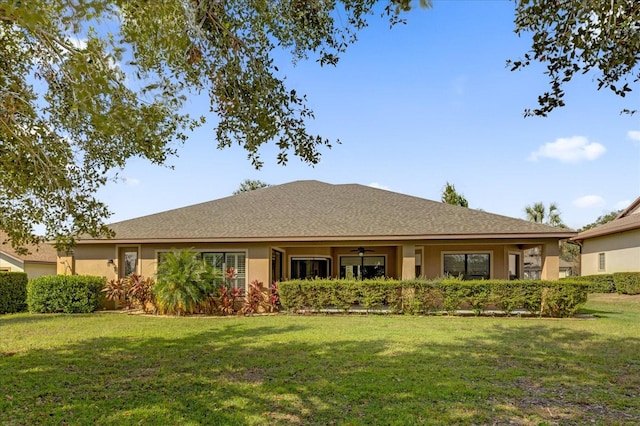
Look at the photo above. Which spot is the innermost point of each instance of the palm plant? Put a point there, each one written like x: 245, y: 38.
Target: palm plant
x: 538, y: 213
x: 184, y: 280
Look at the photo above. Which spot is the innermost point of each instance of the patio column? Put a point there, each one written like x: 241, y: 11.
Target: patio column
x: 550, y: 258
x: 408, y: 261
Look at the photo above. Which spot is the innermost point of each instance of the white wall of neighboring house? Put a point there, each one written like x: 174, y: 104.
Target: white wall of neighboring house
x: 10, y: 263
x: 34, y: 269
x: 621, y: 253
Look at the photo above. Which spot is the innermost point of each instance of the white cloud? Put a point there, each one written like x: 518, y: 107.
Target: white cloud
x: 569, y: 150
x: 634, y: 135
x: 131, y: 181
x: 589, y: 201
x: 622, y: 204
x: 379, y: 186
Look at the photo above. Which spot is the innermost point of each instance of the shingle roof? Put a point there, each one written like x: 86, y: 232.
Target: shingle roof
x: 628, y: 220
x: 316, y: 210
x: 42, y: 253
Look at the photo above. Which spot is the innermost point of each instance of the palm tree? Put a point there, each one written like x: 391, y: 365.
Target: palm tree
x: 538, y: 213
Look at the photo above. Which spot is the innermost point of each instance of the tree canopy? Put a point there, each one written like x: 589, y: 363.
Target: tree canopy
x: 87, y: 85
x: 601, y: 220
x: 537, y: 212
x: 451, y: 196
x: 574, y: 37
x: 250, y: 185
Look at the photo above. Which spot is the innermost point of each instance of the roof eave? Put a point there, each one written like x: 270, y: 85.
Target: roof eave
x: 602, y: 233
x: 333, y: 238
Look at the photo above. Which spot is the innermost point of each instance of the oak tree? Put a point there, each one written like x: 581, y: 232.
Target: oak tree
x: 86, y: 85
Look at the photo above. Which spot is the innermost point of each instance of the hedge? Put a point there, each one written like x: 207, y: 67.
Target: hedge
x: 627, y: 282
x: 451, y: 296
x: 64, y: 293
x: 601, y: 283
x: 13, y: 292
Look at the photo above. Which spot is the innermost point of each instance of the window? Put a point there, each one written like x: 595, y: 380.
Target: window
x: 303, y: 268
x: 231, y: 265
x: 601, y: 263
x: 128, y: 259
x: 362, y: 267
x: 471, y: 266
x: 514, y: 266
x: 5, y: 269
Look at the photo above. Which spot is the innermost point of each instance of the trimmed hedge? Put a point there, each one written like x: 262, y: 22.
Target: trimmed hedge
x: 548, y: 298
x: 13, y: 292
x: 64, y: 293
x: 627, y: 282
x: 601, y: 283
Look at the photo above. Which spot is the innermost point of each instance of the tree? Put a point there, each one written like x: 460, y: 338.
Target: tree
x: 451, y: 196
x: 250, y: 185
x: 573, y: 37
x: 601, y: 220
x: 87, y: 85
x: 538, y: 213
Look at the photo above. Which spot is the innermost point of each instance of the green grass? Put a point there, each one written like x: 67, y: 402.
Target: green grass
x: 113, y: 368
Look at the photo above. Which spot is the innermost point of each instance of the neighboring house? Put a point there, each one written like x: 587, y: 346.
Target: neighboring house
x: 309, y: 229
x: 41, y: 259
x: 533, y: 266
x: 614, y: 246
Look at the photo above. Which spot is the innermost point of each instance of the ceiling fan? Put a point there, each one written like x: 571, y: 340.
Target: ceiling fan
x: 361, y: 251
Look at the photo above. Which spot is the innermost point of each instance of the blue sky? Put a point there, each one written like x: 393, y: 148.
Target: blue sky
x: 417, y: 106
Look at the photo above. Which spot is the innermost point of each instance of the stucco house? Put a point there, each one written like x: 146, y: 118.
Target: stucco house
x: 307, y: 229
x: 614, y: 246
x: 41, y: 259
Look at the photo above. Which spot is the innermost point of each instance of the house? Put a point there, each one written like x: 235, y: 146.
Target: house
x: 41, y: 259
x: 308, y: 229
x: 614, y: 246
x: 533, y: 268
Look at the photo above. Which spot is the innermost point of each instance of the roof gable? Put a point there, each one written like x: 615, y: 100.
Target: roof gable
x: 43, y: 253
x: 317, y: 210
x: 628, y: 220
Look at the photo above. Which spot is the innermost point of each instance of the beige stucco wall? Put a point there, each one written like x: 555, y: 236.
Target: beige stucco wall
x: 622, y: 253
x: 34, y: 270
x: 400, y: 256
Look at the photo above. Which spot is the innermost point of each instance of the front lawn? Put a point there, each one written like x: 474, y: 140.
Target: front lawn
x: 113, y: 368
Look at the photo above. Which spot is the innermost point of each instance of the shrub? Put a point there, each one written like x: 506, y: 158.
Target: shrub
x: 601, y: 283
x: 563, y: 298
x: 554, y: 298
x: 134, y: 291
x: 184, y: 282
x: 13, y: 292
x: 627, y: 282
x: 64, y: 293
x: 256, y: 299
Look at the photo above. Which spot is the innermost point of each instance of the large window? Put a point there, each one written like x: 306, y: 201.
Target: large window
x: 305, y: 268
x: 469, y: 266
x: 362, y: 267
x: 232, y: 266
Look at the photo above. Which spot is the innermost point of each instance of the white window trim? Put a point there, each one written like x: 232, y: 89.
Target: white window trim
x: 207, y: 250
x: 489, y: 252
